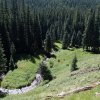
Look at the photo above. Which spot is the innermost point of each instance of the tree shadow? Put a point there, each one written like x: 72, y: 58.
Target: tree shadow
x: 92, y: 52
x: 25, y: 57
x: 50, y: 55
x: 53, y: 56
x: 2, y: 95
x: 56, y: 48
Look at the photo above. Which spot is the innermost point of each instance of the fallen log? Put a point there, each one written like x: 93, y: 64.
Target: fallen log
x: 77, y: 90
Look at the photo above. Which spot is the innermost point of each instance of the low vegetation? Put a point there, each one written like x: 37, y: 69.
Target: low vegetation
x: 64, y: 81
x: 22, y: 76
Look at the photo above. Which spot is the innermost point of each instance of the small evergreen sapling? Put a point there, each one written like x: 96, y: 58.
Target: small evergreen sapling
x: 74, y: 66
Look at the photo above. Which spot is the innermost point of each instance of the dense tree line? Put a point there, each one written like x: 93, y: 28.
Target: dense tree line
x: 32, y: 26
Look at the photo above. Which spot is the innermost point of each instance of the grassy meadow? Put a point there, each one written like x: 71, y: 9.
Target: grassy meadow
x: 60, y: 68
x: 23, y: 75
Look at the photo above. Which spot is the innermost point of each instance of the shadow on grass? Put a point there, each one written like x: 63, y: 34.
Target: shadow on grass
x: 30, y: 57
x: 25, y: 57
x: 56, y: 48
x: 2, y: 95
x: 92, y: 52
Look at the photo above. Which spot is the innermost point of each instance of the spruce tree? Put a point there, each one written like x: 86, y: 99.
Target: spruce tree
x: 6, y: 42
x: 65, y: 42
x: 68, y: 25
x: 76, y: 21
x: 48, y: 43
x: 37, y: 34
x: 73, y: 39
x: 74, y: 64
x: 89, y: 32
x: 11, y: 61
x: 3, y: 60
x: 79, y: 39
x: 95, y: 39
x: 45, y: 72
x: 14, y: 23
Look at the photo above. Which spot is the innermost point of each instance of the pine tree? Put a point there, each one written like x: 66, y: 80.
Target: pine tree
x: 89, y: 31
x: 74, y: 64
x: 23, y: 29
x: 45, y: 72
x: 79, y: 39
x: 65, y: 42
x: 11, y: 61
x: 95, y: 39
x: 48, y: 43
x: 14, y: 23
x: 76, y: 21
x: 6, y: 42
x: 3, y: 60
x: 37, y: 34
x: 73, y: 39
x: 68, y: 25
x: 29, y: 34
x: 53, y: 34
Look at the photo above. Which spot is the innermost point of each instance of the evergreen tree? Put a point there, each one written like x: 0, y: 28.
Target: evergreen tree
x: 76, y: 21
x: 48, y: 43
x: 65, y: 42
x: 14, y: 23
x: 68, y: 25
x: 29, y: 34
x: 89, y: 31
x: 23, y: 29
x: 6, y: 42
x: 95, y: 39
x: 74, y: 64
x: 37, y: 34
x: 45, y: 72
x: 11, y: 61
x: 79, y: 39
x: 3, y: 60
x: 73, y: 39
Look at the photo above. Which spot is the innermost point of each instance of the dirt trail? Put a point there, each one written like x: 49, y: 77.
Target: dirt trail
x: 33, y: 85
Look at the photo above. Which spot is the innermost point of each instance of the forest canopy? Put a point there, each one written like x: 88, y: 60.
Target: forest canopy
x: 30, y: 26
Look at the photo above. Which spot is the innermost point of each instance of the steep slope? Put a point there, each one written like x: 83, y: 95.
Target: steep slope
x: 65, y: 81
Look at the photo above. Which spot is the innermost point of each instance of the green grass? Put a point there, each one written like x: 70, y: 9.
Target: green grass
x: 63, y: 82
x: 88, y: 95
x: 22, y: 76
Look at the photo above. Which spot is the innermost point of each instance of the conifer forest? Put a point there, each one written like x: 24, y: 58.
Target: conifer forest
x: 39, y: 27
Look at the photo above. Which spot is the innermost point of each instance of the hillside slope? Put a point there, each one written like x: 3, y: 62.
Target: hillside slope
x: 64, y: 81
